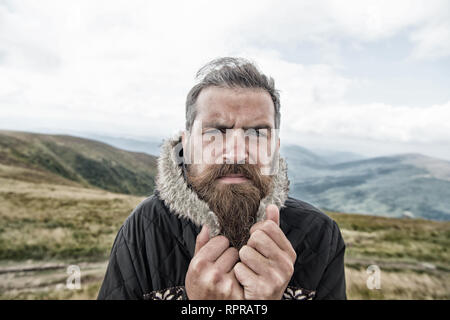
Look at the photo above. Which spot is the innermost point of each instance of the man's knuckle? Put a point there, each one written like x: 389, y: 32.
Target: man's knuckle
x: 270, y: 227
x: 258, y: 234
x: 287, y: 263
x: 278, y: 281
x: 198, y: 241
x: 226, y: 286
x: 256, y: 226
x: 289, y: 269
x: 293, y: 255
x: 255, y: 237
x: 271, y: 223
x: 215, y: 275
x: 198, y: 265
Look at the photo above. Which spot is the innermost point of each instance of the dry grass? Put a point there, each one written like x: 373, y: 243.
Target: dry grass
x: 64, y: 223
x: 406, y: 284
x: 395, y: 239
x: 48, y: 221
x: 51, y: 284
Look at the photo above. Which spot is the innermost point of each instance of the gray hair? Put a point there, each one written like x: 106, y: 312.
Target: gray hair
x: 229, y: 72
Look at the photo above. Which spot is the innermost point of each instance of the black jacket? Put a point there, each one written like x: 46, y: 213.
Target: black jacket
x: 153, y: 249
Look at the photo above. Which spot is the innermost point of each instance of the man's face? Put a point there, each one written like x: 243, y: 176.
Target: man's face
x: 235, y: 117
x: 231, y: 128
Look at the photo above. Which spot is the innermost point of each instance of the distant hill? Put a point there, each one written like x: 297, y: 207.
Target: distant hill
x: 150, y: 146
x: 335, y: 157
x: 302, y: 162
x: 410, y: 185
x: 81, y: 161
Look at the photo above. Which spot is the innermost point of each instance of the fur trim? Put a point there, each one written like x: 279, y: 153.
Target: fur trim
x: 184, y: 202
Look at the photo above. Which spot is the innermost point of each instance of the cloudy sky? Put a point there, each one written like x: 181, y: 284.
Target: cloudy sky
x: 372, y: 77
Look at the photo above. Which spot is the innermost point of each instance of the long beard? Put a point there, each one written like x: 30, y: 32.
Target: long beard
x: 236, y: 205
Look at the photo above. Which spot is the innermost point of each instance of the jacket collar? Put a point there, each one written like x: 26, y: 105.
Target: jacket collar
x: 184, y: 202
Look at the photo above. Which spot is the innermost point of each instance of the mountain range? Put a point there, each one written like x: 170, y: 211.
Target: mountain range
x: 406, y: 185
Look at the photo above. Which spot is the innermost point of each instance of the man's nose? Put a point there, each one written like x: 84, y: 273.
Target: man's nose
x: 235, y: 150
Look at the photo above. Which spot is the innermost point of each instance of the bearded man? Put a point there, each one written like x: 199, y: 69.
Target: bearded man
x: 220, y: 224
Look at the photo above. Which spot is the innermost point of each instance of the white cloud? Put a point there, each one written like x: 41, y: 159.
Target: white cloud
x: 127, y: 66
x: 432, y: 41
x: 379, y: 122
x: 323, y: 21
x: 313, y: 103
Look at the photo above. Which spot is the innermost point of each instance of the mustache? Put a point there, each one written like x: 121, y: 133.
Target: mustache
x: 215, y: 171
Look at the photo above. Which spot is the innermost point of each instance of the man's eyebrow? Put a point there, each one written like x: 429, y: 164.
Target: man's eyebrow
x: 218, y: 125
x: 258, y: 126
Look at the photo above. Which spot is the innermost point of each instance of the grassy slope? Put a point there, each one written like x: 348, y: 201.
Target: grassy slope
x: 86, y: 162
x: 413, y: 255
x: 56, y: 225
x: 47, y: 223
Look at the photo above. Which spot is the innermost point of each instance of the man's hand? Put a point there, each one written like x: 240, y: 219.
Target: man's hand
x: 210, y: 274
x: 267, y: 261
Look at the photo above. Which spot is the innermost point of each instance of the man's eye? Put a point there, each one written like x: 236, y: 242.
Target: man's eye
x: 257, y: 133
x: 262, y: 132
x: 214, y: 131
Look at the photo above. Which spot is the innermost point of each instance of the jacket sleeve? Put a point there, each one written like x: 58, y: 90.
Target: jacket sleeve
x: 332, y: 284
x: 121, y: 280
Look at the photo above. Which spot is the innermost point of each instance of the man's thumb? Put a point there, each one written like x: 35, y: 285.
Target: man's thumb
x: 273, y: 214
x: 202, y: 238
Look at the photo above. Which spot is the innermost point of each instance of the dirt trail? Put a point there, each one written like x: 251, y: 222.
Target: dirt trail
x: 39, y: 280
x: 48, y: 280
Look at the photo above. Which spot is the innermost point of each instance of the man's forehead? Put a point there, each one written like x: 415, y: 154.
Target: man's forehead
x: 237, y: 107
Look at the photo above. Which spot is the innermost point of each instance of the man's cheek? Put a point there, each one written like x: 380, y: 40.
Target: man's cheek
x: 197, y: 169
x: 210, y: 155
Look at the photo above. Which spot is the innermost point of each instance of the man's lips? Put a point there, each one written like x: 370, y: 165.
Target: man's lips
x: 233, y: 178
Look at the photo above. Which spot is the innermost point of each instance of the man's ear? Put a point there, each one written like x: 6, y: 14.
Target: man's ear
x: 277, y: 148
x: 185, y: 143
x: 184, y: 139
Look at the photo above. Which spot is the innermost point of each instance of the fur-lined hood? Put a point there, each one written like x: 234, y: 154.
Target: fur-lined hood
x: 184, y: 202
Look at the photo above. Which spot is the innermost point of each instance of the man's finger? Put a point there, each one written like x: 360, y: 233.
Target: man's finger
x: 260, y: 241
x: 277, y: 235
x: 228, y: 259
x: 202, y: 239
x: 244, y: 274
x: 273, y: 214
x: 254, y: 260
x: 213, y: 249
